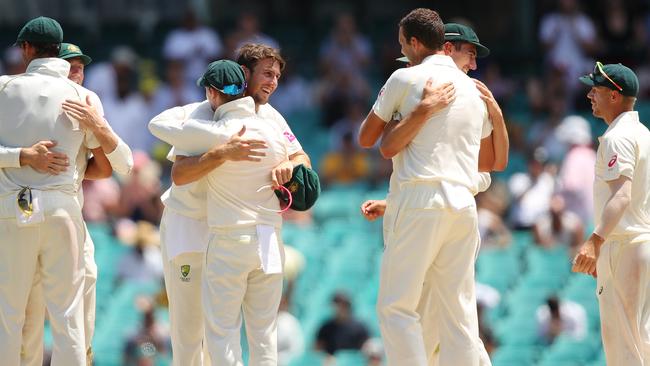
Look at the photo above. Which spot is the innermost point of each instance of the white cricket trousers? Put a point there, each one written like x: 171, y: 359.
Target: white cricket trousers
x: 54, y: 249
x: 183, y: 275
x: 623, y: 290
x: 33, y: 329
x: 234, y: 283
x: 424, y: 238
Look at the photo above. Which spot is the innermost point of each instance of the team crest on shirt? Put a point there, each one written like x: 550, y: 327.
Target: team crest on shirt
x: 185, y: 272
x: 291, y: 137
x: 613, y: 160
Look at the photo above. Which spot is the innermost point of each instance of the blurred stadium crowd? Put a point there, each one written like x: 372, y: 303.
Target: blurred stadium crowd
x: 533, y: 310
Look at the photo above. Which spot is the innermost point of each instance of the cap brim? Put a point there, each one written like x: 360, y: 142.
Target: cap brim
x: 587, y: 80
x: 481, y: 51
x: 403, y: 59
x: 86, y: 59
x: 200, y: 82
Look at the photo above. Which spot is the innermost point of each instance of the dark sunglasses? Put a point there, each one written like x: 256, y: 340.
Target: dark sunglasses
x: 24, y: 201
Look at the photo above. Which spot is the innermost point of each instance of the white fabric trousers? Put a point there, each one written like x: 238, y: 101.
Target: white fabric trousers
x: 623, y: 290
x: 33, y: 331
x: 427, y: 272
x: 234, y: 283
x: 54, y: 249
x: 183, y: 275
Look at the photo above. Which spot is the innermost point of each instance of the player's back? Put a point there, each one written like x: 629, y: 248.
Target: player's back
x: 32, y: 111
x: 239, y: 191
x: 447, y: 146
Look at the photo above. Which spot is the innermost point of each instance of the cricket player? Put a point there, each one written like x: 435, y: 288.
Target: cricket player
x: 463, y: 46
x: 244, y: 258
x: 618, y: 250
x: 113, y: 154
x: 41, y: 211
x: 430, y: 227
x: 182, y: 129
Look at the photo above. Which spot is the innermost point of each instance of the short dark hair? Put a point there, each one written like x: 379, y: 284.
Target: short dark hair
x: 251, y: 53
x: 45, y: 49
x: 425, y: 25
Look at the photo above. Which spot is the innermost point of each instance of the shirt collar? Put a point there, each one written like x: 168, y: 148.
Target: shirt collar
x: 623, y: 118
x: 243, y: 107
x: 52, y: 66
x: 439, y: 59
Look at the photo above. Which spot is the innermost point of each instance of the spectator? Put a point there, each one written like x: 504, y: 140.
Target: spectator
x: 531, y: 191
x: 176, y: 90
x: 491, y: 206
x: 559, y: 226
x: 100, y: 199
x: 346, y: 165
x: 142, y: 264
x: 140, y: 193
x: 343, y: 331
x: 373, y: 349
x: 192, y: 45
x: 349, y: 124
x: 577, y: 171
x: 13, y: 61
x: 294, y: 94
x: 291, y: 341
x: 149, y: 341
x: 561, y: 317
x: 345, y: 50
x: 248, y: 31
x: 569, y: 38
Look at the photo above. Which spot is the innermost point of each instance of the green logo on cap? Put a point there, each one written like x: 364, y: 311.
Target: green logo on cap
x: 185, y: 270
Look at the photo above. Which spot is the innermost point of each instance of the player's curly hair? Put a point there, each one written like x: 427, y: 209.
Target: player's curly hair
x: 425, y: 25
x: 251, y: 53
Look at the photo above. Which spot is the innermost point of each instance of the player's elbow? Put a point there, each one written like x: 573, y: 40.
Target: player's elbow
x: 365, y: 141
x: 387, y: 151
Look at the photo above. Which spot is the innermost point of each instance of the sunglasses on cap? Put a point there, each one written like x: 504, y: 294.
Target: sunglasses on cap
x: 24, y: 201
x: 598, y: 70
x: 232, y: 89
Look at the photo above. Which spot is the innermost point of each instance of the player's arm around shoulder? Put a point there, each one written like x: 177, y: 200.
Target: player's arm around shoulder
x: 398, y: 134
x: 387, y: 103
x: 188, y: 169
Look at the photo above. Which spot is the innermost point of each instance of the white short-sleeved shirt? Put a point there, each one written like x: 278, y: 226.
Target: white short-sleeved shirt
x: 31, y: 105
x: 447, y: 146
x: 625, y: 150
x: 234, y: 194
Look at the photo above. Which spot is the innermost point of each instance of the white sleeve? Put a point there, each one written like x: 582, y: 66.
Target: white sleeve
x: 9, y: 157
x: 620, y: 154
x: 121, y: 158
x: 390, y: 96
x: 167, y: 126
x: 487, y: 127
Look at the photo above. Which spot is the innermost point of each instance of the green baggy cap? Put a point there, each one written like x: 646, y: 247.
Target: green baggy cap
x: 69, y: 50
x: 224, y: 75
x: 41, y: 30
x: 621, y: 78
x: 304, y: 187
x: 463, y: 33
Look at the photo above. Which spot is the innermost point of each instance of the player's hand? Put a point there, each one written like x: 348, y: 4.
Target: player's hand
x: 42, y: 159
x: 585, y: 260
x: 240, y: 149
x: 494, y: 110
x: 373, y: 209
x: 436, y: 99
x: 85, y: 113
x: 281, y: 174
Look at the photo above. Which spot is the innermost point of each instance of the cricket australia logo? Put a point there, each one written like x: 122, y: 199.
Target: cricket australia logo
x: 185, y: 272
